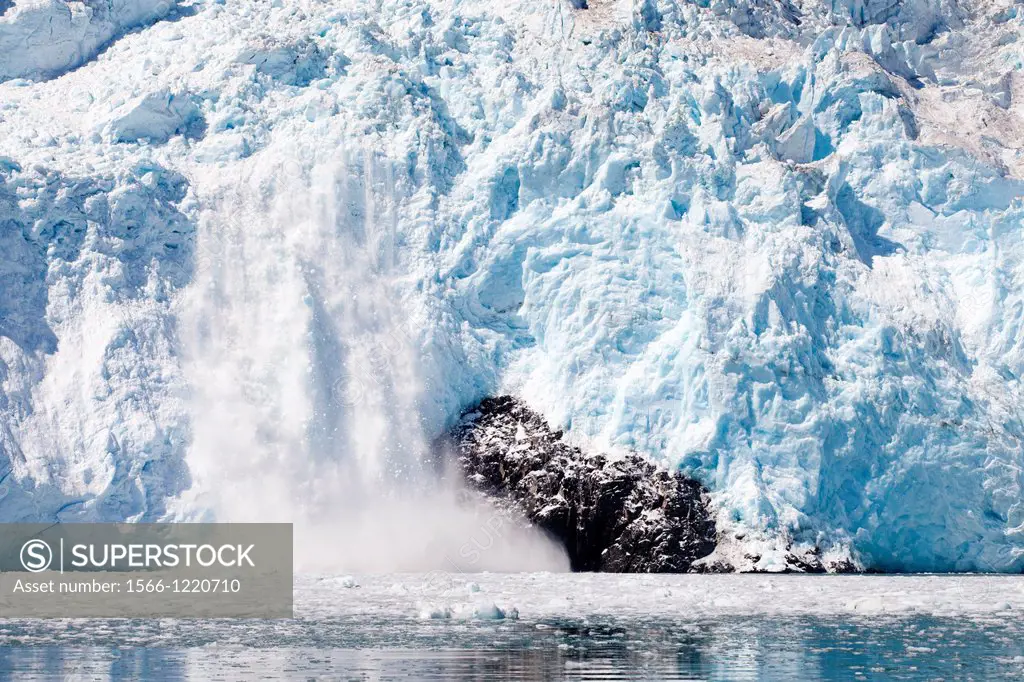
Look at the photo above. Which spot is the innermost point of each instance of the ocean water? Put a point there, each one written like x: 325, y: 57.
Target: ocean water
x: 557, y: 626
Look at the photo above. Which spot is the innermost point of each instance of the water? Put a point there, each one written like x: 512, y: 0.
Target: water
x: 597, y: 627
x: 723, y: 649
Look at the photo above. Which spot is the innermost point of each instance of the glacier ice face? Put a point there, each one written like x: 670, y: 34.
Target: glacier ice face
x: 44, y: 38
x: 85, y: 345
x: 777, y: 245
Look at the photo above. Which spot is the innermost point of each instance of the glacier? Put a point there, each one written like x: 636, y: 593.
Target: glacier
x: 257, y: 255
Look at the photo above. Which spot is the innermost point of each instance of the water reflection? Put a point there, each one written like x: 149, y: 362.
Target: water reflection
x: 93, y: 663
x: 725, y: 649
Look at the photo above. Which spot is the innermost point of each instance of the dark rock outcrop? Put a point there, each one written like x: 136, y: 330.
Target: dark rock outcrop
x: 617, y: 515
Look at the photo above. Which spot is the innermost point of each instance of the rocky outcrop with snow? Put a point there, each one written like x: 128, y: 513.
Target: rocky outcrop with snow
x: 621, y: 515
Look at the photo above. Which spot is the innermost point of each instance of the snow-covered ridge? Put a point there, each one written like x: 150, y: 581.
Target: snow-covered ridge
x: 777, y: 245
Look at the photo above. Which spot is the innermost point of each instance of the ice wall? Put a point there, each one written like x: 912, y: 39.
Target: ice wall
x: 775, y: 244
x: 44, y: 38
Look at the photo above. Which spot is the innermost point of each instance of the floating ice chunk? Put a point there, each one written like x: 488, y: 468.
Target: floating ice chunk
x: 487, y: 611
x: 490, y: 611
x: 434, y: 612
x: 345, y: 581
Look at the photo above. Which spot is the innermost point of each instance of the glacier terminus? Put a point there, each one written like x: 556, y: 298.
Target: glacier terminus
x: 256, y: 257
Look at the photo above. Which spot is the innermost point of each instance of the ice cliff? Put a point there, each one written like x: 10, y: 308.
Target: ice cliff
x: 45, y: 38
x: 776, y: 245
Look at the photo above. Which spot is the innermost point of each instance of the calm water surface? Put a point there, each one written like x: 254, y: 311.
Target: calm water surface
x: 376, y: 632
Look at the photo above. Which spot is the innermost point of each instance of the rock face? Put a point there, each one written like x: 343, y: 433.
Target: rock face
x: 616, y: 515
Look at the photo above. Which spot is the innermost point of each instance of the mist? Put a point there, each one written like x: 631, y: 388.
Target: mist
x: 306, y: 378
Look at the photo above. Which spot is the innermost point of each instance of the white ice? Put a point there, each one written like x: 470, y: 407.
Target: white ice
x: 256, y: 255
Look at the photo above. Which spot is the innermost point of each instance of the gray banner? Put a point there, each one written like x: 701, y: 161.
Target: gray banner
x: 146, y: 570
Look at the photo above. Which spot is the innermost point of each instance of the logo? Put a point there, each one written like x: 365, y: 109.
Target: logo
x: 36, y: 556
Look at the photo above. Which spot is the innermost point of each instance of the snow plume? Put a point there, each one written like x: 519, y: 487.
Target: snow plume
x: 301, y: 344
